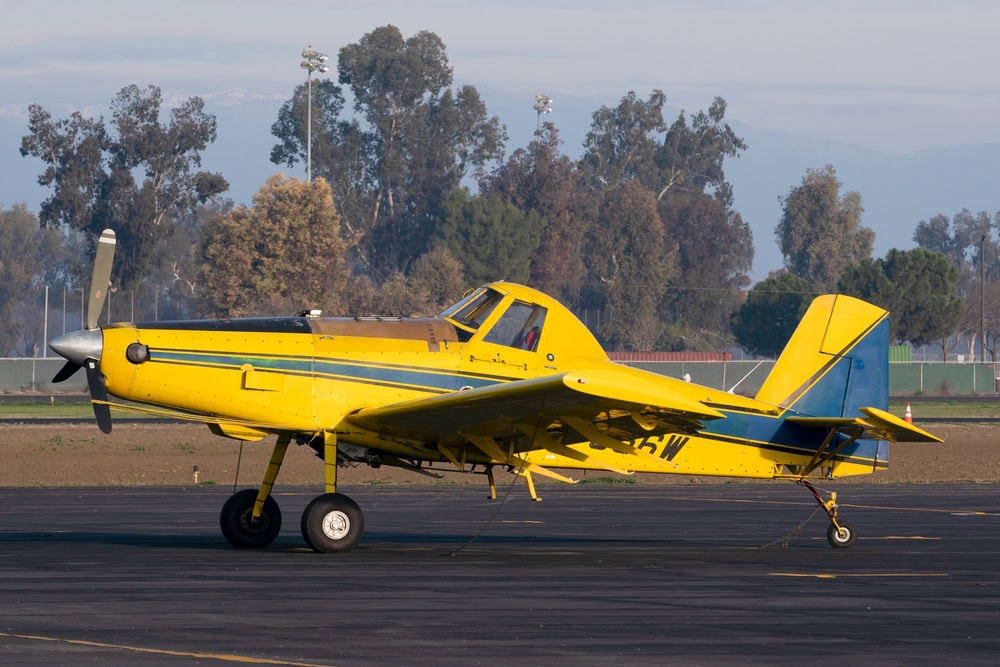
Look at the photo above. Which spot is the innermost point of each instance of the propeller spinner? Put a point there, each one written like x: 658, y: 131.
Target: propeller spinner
x: 82, y: 349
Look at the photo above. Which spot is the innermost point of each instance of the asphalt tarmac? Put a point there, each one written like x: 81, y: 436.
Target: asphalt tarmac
x: 593, y: 575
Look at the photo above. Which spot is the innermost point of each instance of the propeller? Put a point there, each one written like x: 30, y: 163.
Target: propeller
x: 101, y: 279
x: 82, y: 349
x: 99, y: 394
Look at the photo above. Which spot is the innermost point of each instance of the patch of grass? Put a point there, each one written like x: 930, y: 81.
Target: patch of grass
x: 187, y: 447
x: 57, y: 408
x: 33, y: 409
x: 946, y: 407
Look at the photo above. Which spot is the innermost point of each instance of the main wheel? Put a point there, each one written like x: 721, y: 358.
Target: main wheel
x: 332, y: 523
x: 843, y: 538
x: 236, y: 524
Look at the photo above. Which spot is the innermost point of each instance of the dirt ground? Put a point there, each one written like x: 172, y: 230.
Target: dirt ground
x: 134, y: 455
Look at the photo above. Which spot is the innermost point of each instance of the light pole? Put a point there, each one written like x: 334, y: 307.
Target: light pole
x: 311, y: 61
x: 543, y: 104
x: 982, y: 299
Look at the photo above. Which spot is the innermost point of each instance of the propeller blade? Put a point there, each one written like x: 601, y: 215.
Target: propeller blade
x: 66, y: 372
x: 101, y: 279
x: 99, y: 392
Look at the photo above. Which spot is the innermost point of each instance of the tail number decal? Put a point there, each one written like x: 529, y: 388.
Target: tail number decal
x: 664, y: 447
x: 671, y: 445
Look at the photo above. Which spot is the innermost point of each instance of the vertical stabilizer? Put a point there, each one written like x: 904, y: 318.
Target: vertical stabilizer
x: 836, y: 362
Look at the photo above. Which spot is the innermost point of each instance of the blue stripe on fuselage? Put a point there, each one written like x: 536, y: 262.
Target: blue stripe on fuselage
x: 774, y: 433
x: 406, y: 376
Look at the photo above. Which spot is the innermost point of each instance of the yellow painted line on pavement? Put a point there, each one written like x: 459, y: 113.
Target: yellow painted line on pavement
x: 243, y: 659
x: 935, y: 510
x: 843, y: 491
x: 745, y: 501
x: 831, y: 575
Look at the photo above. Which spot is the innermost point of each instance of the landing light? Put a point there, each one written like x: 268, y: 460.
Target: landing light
x: 137, y: 353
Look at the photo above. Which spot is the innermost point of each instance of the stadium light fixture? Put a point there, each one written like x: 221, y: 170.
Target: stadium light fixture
x: 543, y: 104
x: 312, y: 61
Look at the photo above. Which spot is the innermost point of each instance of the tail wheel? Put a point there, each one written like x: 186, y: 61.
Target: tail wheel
x: 332, y: 523
x: 238, y: 527
x: 843, y: 538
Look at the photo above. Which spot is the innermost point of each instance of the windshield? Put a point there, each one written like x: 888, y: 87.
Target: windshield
x: 455, y: 307
x: 472, y: 311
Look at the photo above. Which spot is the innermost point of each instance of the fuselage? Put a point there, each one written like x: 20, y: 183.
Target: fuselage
x: 256, y: 376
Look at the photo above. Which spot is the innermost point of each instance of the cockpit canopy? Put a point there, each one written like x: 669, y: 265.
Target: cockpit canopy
x: 519, y: 325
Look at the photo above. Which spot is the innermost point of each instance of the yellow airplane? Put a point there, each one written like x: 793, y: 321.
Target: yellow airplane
x: 505, y: 377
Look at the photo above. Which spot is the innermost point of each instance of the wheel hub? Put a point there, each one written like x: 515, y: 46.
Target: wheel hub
x: 336, y: 525
x: 251, y: 526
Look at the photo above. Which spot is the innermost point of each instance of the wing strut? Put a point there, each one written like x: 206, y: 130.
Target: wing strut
x: 588, y: 430
x: 548, y: 442
x: 822, y: 457
x: 489, y: 446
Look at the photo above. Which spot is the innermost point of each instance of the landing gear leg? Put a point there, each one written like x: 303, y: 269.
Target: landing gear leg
x: 332, y: 522
x: 251, y: 519
x: 841, y: 534
x: 493, y: 483
x: 531, y: 486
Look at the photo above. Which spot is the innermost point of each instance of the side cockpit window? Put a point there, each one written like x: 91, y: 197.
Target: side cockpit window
x: 520, y: 327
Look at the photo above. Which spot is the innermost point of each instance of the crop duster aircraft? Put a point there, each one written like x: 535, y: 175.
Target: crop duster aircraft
x: 505, y: 377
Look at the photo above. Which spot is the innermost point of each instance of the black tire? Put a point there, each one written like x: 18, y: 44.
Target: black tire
x: 844, y: 538
x: 332, y: 523
x: 236, y: 525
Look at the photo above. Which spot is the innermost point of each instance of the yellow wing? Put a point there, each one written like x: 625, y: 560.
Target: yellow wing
x: 609, y: 405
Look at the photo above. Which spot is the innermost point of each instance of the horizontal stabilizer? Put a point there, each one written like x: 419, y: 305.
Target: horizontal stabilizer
x: 876, y: 424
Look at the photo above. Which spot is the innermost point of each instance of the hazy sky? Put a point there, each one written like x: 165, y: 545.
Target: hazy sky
x: 890, y: 76
x: 895, y: 76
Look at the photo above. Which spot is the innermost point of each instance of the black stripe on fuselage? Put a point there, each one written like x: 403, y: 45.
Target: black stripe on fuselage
x: 292, y: 325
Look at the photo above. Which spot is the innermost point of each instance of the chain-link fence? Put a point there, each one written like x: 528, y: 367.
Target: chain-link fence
x: 46, y: 313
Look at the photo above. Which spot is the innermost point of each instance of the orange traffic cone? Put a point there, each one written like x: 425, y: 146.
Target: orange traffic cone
x: 908, y: 415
